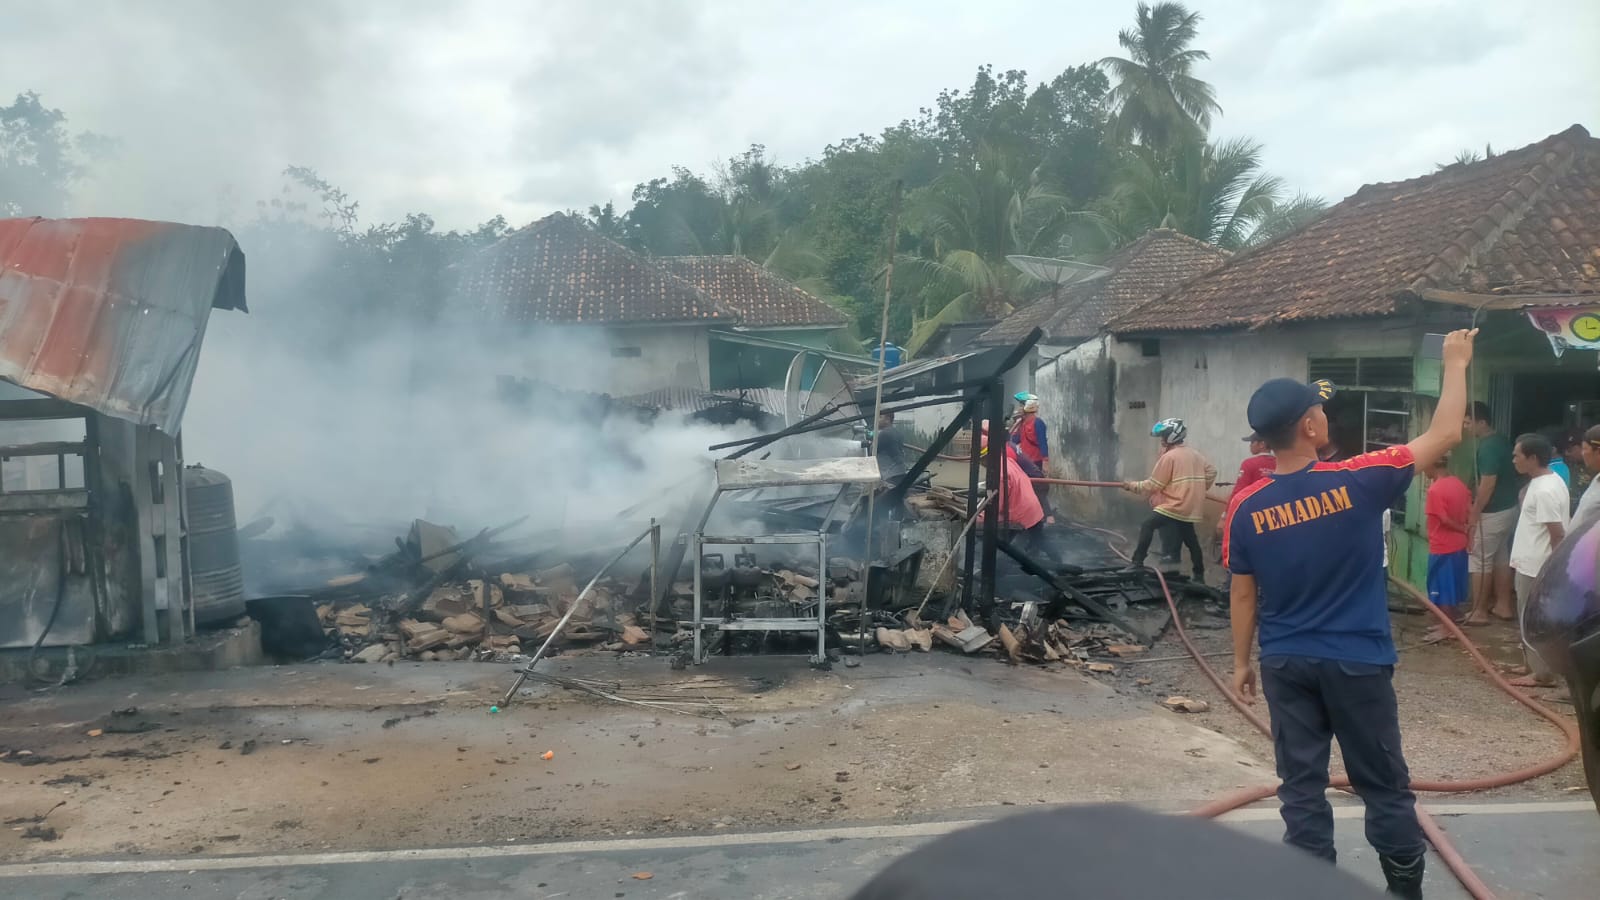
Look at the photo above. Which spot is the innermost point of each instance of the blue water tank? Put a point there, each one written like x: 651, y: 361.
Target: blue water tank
x: 891, y: 355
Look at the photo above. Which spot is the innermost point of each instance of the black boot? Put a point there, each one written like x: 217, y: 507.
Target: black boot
x: 1403, y: 875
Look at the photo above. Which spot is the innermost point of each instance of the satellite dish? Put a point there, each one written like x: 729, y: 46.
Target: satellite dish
x: 801, y: 403
x: 1056, y: 271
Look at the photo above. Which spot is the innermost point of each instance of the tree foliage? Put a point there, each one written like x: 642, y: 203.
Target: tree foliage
x: 1157, y: 98
x: 39, y: 159
x: 1073, y: 165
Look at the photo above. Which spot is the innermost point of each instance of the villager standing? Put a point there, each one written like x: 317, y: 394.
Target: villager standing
x: 1178, y: 485
x: 1494, y: 517
x: 1306, y: 551
x: 1448, y: 506
x: 1254, y: 468
x: 1541, y: 525
x: 1589, y: 504
x: 891, y: 449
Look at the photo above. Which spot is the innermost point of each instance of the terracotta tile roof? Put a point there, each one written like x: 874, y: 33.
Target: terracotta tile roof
x: 1526, y: 221
x: 558, y: 270
x: 762, y: 299
x: 1138, y: 273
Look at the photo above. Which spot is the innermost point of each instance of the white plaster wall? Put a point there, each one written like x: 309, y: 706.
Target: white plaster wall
x: 1099, y: 399
x: 669, y: 356
x: 1207, y: 380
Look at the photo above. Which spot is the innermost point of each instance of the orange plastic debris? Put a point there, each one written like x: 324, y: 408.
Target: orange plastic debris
x: 548, y: 754
x: 642, y: 876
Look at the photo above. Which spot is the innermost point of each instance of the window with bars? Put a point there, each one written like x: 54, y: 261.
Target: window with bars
x: 1364, y: 371
x: 1373, y: 408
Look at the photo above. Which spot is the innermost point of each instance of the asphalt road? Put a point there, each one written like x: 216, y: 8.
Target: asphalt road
x: 1522, y: 850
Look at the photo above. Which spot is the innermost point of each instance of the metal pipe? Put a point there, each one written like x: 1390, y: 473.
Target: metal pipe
x: 971, y: 551
x: 561, y: 625
x: 655, y: 575
x: 995, y: 482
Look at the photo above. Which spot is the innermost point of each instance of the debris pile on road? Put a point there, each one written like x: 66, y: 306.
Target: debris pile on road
x: 485, y: 618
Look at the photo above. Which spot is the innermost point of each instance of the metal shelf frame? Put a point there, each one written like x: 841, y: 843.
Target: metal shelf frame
x: 735, y: 475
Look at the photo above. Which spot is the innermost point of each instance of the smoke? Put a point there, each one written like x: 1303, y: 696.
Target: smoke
x: 354, y: 434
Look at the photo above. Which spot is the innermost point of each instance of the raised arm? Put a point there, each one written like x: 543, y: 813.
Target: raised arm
x: 1444, y: 432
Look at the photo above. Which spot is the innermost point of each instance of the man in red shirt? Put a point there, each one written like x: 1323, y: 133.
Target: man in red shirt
x: 1253, y: 469
x: 1448, y: 507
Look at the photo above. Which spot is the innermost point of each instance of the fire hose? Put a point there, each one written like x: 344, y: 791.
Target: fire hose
x: 1436, y: 835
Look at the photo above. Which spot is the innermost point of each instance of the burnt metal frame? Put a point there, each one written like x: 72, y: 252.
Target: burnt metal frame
x: 699, y: 540
x: 973, y: 394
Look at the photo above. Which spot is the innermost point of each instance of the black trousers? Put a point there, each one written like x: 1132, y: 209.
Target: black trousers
x: 1313, y: 701
x: 1182, y: 531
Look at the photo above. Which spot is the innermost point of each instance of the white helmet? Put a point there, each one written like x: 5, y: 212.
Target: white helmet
x: 1171, y: 431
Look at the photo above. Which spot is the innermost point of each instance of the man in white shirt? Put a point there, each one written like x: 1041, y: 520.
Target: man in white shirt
x: 1541, y: 525
x: 1589, y: 503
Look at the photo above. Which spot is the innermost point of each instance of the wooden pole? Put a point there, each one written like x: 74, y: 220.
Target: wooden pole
x: 877, y: 395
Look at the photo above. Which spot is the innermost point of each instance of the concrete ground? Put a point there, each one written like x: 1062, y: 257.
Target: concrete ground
x: 1551, y: 856
x: 347, y: 757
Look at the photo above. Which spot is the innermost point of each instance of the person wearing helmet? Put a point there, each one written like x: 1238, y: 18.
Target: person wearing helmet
x: 1017, y: 499
x: 1177, y: 486
x: 1031, y: 447
x: 1028, y: 432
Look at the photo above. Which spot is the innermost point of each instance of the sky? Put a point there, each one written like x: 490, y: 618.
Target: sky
x: 468, y: 109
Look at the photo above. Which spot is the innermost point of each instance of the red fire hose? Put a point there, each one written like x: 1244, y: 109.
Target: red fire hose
x: 1436, y: 835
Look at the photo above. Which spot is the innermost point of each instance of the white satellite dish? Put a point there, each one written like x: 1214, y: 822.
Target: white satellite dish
x: 1056, y: 271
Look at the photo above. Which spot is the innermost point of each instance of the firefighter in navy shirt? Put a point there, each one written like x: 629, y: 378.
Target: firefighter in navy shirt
x: 1309, y: 537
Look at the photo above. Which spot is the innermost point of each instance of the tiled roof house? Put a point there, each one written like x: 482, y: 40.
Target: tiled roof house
x: 760, y: 298
x: 1522, y: 223
x: 1355, y: 294
x: 1136, y: 274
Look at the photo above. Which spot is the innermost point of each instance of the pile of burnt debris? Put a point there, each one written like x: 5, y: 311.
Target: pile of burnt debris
x: 438, y: 597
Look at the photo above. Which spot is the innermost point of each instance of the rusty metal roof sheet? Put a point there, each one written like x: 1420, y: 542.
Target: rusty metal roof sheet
x: 1522, y: 222
x: 110, y: 313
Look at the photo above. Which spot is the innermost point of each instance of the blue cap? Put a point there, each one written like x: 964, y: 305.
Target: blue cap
x: 1282, y: 401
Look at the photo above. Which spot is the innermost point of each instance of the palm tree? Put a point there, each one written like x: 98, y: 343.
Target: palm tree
x: 1156, y: 98
x: 1216, y: 193
x: 967, y: 222
x: 1285, y: 218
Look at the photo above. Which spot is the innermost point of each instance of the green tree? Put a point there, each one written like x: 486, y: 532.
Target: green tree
x: 966, y: 223
x: 1287, y: 218
x: 39, y: 159
x: 1216, y: 193
x: 1156, y: 98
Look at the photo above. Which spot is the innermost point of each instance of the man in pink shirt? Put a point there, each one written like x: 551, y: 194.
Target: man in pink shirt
x: 1021, y: 504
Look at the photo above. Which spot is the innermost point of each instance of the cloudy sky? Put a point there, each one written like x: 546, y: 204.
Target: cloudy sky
x: 470, y: 109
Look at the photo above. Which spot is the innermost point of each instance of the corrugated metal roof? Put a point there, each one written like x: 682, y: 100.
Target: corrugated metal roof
x: 110, y: 313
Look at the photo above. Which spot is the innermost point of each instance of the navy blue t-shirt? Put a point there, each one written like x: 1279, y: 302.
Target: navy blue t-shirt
x: 1313, y: 539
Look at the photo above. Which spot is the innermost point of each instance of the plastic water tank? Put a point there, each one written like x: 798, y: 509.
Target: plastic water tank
x: 217, y: 579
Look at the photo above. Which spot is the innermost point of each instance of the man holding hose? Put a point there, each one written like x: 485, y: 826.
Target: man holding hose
x: 1309, y: 536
